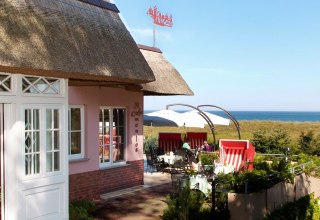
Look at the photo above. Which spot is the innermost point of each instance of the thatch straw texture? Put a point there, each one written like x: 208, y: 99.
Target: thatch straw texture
x: 168, y: 79
x: 69, y: 39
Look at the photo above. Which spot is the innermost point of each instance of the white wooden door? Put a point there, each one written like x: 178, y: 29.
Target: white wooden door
x: 36, y: 164
x: 34, y: 159
x: 44, y: 185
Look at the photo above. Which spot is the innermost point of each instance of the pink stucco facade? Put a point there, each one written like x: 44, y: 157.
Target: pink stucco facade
x: 94, y: 97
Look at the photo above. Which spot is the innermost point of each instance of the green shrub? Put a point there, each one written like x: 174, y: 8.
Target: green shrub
x: 148, y: 143
x: 305, y: 141
x: 208, y: 158
x: 316, y: 145
x: 274, y: 141
x: 82, y: 210
x: 305, y: 208
x: 189, y: 204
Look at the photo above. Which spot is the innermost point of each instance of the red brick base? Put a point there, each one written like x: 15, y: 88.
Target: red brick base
x: 91, y: 185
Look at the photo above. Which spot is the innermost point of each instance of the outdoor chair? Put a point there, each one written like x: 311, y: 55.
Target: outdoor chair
x: 178, y: 166
x: 168, y: 142
x: 182, y: 163
x: 152, y: 163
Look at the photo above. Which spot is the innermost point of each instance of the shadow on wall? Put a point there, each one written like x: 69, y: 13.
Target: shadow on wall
x: 258, y: 204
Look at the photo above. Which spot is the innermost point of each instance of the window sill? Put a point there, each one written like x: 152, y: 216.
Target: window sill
x: 78, y: 160
x: 114, y: 166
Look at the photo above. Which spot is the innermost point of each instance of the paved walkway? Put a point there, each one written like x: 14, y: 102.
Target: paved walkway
x: 145, y: 202
x: 150, y: 180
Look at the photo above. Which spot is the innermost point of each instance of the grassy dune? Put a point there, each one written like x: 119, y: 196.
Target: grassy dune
x: 293, y: 129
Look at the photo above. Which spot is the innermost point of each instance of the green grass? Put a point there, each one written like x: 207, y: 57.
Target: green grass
x: 294, y: 129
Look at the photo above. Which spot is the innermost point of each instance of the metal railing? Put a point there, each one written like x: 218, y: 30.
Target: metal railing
x: 300, y: 168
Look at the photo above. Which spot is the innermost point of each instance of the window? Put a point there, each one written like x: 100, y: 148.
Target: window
x: 76, y: 134
x: 32, y: 142
x: 5, y: 82
x: 40, y: 85
x: 42, y: 140
x: 52, y: 140
x: 112, y: 127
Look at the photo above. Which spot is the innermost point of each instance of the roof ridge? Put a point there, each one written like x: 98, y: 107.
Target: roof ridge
x: 102, y: 4
x: 145, y: 47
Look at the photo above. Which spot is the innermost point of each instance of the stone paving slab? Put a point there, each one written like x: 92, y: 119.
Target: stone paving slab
x: 150, y: 180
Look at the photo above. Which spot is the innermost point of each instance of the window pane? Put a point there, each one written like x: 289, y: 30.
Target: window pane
x: 75, y: 130
x: 56, y: 119
x: 2, y: 88
x: 106, y: 154
x: 121, y: 134
x: 41, y: 85
x: 56, y: 142
x: 101, y: 127
x: 36, y: 163
x: 106, y: 119
x: 75, y: 143
x: 27, y: 116
x: 48, y: 118
x: 49, y: 161
x: 49, y: 140
x: 27, y: 142
x: 36, y: 119
x: 56, y: 161
x: 25, y: 84
x: 121, y: 151
x: 7, y: 84
x: 75, y: 119
x: 112, y: 135
x: 56, y: 86
x: 120, y: 117
x: 36, y: 141
x: 28, y: 164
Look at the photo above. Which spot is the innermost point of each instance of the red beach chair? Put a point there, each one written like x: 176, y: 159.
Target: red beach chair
x: 237, y: 153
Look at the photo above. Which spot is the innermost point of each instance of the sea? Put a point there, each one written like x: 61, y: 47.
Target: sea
x: 294, y: 116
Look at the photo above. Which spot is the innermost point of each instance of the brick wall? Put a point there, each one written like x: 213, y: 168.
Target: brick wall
x: 91, y: 185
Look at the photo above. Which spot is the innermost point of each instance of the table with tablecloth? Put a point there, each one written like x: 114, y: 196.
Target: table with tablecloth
x: 169, y: 158
x: 201, y: 183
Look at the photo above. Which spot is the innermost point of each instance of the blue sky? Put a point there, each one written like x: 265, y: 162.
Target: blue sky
x: 237, y: 54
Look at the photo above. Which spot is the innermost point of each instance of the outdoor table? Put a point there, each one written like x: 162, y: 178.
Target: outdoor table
x: 201, y: 183
x: 220, y: 168
x: 169, y: 158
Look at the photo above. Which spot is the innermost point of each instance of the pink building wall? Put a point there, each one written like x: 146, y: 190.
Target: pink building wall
x: 93, y: 97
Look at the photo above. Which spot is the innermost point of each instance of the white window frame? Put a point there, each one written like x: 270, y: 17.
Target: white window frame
x: 13, y: 80
x: 61, y: 92
x: 82, y: 154
x: 43, y: 150
x: 111, y: 162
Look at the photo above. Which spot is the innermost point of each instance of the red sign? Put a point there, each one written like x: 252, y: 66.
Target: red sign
x: 159, y: 18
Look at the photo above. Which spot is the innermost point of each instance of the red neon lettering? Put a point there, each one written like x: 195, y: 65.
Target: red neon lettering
x: 159, y: 18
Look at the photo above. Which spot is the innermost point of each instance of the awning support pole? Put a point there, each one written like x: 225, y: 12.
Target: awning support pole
x: 203, y: 115
x: 236, y: 123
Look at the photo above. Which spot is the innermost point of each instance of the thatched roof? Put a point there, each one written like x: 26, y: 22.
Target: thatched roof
x: 168, y: 79
x: 71, y: 39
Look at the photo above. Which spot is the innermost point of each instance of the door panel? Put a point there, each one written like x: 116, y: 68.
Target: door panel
x: 44, y: 202
x: 44, y: 184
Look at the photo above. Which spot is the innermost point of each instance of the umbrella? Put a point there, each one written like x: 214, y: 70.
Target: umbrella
x: 187, y: 119
x: 194, y: 119
x: 158, y: 121
x: 163, y: 118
